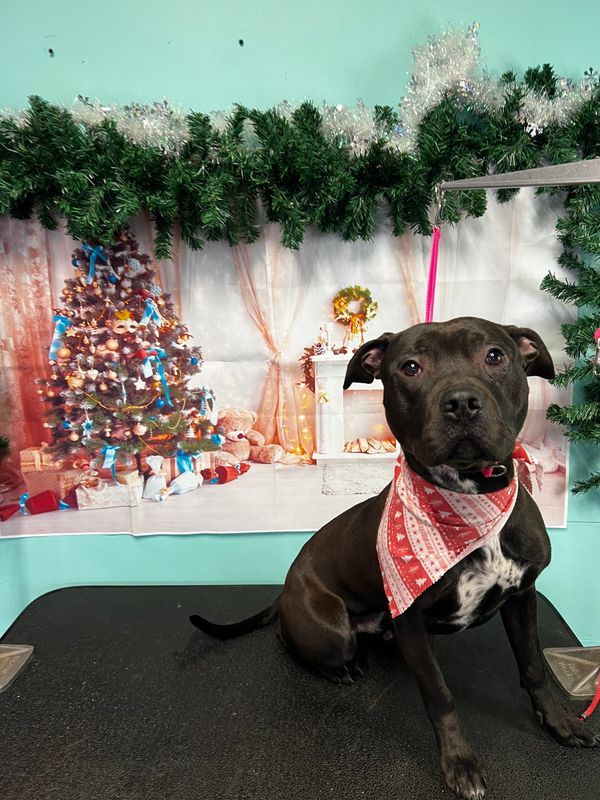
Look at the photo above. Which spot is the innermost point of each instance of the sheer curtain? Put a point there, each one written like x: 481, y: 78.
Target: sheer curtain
x: 29, y: 256
x: 274, y: 283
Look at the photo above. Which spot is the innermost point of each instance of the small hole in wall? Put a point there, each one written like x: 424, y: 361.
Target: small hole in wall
x: 241, y: 42
x: 51, y: 51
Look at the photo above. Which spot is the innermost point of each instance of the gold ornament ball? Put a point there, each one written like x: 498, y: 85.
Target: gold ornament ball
x: 111, y: 375
x: 111, y: 344
x: 50, y: 393
x: 97, y: 291
x: 139, y: 429
x: 63, y: 352
x: 103, y: 387
x: 74, y: 437
x: 127, y: 433
x: 40, y: 391
x: 75, y: 382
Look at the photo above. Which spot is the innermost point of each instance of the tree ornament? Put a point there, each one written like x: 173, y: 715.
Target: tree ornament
x: 103, y: 387
x: 112, y: 344
x: 139, y: 429
x: 63, y: 353
x: 111, y: 375
x: 75, y: 381
x: 92, y: 374
x: 73, y: 437
x: 160, y: 403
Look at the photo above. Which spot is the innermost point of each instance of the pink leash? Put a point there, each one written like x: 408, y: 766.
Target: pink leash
x: 433, y: 261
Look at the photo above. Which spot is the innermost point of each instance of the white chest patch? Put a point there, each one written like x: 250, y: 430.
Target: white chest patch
x: 491, y: 568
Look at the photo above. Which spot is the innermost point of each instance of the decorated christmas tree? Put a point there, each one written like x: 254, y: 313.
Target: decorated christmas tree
x: 121, y: 364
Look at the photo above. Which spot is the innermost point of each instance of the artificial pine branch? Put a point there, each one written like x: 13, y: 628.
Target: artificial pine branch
x: 593, y: 482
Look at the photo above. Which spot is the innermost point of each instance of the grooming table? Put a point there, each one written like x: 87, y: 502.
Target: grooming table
x: 125, y: 700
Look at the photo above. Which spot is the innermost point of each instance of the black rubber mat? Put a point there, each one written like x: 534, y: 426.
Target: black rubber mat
x: 124, y: 700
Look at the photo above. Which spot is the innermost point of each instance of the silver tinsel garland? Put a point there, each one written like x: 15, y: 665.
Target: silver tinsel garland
x: 447, y: 65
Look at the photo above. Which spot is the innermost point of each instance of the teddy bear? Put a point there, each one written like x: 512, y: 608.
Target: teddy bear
x: 242, y: 442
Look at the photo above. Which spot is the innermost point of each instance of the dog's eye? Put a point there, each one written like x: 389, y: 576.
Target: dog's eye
x: 494, y: 356
x: 410, y: 368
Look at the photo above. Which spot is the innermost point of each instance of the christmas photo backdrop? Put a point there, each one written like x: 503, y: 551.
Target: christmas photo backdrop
x: 177, y: 371
x: 180, y: 293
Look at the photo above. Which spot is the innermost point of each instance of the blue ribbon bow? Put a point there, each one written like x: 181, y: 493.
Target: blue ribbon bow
x: 22, y: 500
x: 151, y: 313
x: 184, y: 462
x: 61, y: 323
x: 147, y: 370
x: 95, y: 253
x: 110, y: 459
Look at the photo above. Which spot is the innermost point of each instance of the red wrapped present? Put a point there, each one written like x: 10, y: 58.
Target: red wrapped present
x: 42, y: 502
x: 8, y: 510
x: 224, y: 474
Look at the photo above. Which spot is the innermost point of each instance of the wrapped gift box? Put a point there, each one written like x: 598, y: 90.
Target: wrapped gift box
x: 205, y: 460
x: 109, y: 495
x: 128, y: 478
x: 53, y: 479
x: 122, y: 474
x: 34, y: 459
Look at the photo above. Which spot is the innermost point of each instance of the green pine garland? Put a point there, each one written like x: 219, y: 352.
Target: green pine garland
x: 97, y: 179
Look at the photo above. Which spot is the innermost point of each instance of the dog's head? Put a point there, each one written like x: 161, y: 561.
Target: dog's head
x: 455, y: 393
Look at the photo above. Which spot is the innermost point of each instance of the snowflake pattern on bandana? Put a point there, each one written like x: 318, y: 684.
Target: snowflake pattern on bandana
x: 425, y: 530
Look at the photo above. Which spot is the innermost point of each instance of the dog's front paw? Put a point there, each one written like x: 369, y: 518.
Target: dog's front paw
x: 567, y: 729
x: 463, y: 776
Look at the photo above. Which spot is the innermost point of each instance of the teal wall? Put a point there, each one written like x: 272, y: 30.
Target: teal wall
x: 334, y: 50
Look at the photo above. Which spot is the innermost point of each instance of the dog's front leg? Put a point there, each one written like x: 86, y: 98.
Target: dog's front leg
x: 457, y: 759
x: 519, y: 615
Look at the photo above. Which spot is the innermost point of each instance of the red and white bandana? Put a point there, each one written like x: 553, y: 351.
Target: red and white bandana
x: 425, y: 530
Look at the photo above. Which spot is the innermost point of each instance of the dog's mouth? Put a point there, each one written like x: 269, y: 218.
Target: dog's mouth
x: 467, y: 454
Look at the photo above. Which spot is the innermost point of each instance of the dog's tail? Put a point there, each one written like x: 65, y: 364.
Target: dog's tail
x: 259, y: 620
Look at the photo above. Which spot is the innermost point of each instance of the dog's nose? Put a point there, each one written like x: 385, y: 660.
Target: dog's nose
x: 461, y: 404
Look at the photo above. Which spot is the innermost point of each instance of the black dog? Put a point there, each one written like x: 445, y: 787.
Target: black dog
x: 455, y: 397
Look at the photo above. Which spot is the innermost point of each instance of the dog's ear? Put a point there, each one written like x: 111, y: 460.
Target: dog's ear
x: 535, y: 355
x: 364, y: 364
